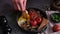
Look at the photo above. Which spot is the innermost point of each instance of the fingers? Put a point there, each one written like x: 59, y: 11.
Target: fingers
x: 19, y: 5
x: 24, y: 4
x: 14, y: 4
x: 19, y: 8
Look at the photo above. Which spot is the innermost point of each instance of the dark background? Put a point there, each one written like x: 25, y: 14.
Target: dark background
x: 6, y: 9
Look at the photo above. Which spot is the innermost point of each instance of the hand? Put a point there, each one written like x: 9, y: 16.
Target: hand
x: 19, y: 4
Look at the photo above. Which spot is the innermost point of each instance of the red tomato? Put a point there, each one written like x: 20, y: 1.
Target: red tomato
x: 33, y: 17
x: 39, y: 20
x: 32, y: 14
x: 33, y: 22
x: 56, y: 28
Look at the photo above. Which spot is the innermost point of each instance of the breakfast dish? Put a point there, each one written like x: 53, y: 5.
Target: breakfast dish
x: 34, y: 22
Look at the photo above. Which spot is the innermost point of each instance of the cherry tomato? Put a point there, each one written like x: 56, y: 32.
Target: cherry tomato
x: 56, y: 28
x: 33, y: 17
x: 33, y: 22
x: 39, y: 20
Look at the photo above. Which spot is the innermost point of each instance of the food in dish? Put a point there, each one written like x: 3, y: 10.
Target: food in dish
x: 56, y: 28
x: 34, y: 21
x: 55, y: 17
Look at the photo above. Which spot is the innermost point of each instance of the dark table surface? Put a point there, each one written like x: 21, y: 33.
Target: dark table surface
x: 6, y: 9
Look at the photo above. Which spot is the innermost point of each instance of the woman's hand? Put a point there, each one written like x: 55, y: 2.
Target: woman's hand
x: 19, y: 4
